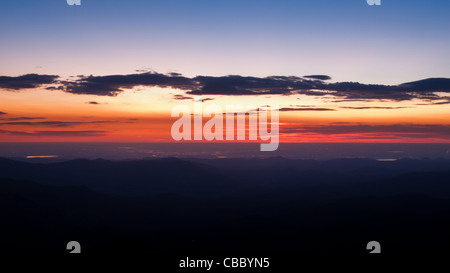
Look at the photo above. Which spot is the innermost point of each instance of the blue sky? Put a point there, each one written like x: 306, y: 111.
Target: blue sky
x: 399, y: 41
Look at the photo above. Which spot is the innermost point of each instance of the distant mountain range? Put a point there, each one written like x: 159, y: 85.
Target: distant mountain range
x: 219, y: 177
x: 268, y: 206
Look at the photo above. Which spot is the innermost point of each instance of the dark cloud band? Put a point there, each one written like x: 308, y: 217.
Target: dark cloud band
x: 235, y: 85
x: 26, y: 81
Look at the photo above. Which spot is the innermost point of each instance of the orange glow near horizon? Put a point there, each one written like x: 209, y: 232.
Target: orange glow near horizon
x: 144, y: 116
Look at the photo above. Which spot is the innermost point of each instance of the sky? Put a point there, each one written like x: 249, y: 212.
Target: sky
x: 340, y: 71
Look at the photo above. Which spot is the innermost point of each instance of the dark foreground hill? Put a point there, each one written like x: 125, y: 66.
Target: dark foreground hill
x: 175, y: 207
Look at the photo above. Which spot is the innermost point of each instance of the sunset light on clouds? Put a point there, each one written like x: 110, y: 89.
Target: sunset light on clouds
x: 64, y: 79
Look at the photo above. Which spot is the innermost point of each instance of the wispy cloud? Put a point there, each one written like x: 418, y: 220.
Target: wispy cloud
x: 55, y: 123
x: 22, y: 118
x: 399, y: 130
x: 70, y: 133
x: 182, y: 97
x: 88, y: 133
x: 430, y: 102
x: 372, y: 107
x: 288, y: 109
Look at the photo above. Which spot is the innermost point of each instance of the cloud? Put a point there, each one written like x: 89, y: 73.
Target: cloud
x: 427, y: 85
x: 114, y: 84
x: 55, y: 133
x: 399, y: 130
x: 70, y: 133
x: 441, y: 102
x: 207, y: 99
x: 54, y: 123
x: 93, y: 102
x: 55, y: 88
x: 182, y: 97
x: 286, y: 109
x: 16, y: 133
x: 372, y: 107
x: 22, y: 118
x: 422, y: 89
x: 430, y: 102
x: 26, y: 81
x: 351, y: 100
x: 240, y: 85
x: 237, y: 85
x: 318, y: 77
x: 3, y: 113
x: 300, y: 105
